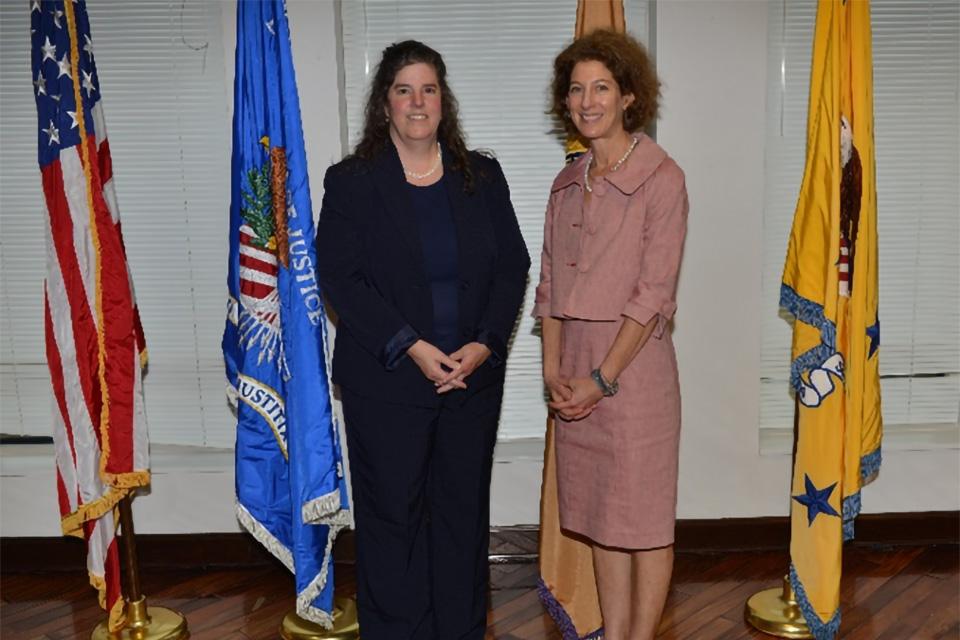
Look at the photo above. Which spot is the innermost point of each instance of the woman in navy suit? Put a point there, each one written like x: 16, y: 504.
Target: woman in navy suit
x: 421, y: 258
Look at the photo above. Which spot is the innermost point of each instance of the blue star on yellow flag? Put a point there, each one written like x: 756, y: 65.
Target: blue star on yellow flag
x: 816, y: 501
x: 873, y: 332
x: 830, y: 287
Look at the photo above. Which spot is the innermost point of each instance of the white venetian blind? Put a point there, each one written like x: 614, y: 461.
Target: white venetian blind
x: 162, y: 78
x: 499, y: 56
x: 916, y: 59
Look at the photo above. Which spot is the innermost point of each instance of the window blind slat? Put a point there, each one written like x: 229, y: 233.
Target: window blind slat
x: 165, y: 102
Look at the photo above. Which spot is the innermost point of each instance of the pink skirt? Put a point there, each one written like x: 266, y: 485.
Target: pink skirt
x: 617, y: 468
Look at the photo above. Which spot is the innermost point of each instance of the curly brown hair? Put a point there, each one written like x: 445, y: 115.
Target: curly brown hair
x: 376, y: 128
x: 629, y: 64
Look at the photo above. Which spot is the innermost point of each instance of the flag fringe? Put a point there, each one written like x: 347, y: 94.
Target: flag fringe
x: 870, y: 466
x: 72, y: 523
x: 560, y: 617
x: 851, y: 509
x: 264, y: 537
x: 97, y: 252
x: 821, y: 630
x: 117, y: 615
x: 324, y: 510
x: 128, y: 480
x: 809, y: 313
x: 233, y: 396
x: 305, y: 598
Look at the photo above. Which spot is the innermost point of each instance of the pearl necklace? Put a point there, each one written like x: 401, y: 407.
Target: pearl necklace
x: 421, y: 176
x: 623, y: 158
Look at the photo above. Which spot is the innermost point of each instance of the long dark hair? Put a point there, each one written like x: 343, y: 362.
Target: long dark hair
x: 376, y: 128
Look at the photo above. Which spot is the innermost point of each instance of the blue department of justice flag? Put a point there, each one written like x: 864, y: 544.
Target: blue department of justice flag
x: 291, y: 492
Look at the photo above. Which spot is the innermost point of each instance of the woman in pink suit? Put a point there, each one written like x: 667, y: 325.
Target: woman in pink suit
x: 613, y: 239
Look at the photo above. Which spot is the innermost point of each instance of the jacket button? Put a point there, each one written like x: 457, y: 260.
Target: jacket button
x: 464, y: 285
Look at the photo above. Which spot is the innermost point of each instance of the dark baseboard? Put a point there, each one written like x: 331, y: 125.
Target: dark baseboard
x: 225, y: 550
x: 875, y: 529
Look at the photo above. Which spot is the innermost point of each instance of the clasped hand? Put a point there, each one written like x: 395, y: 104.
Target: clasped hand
x: 572, y: 398
x: 448, y: 372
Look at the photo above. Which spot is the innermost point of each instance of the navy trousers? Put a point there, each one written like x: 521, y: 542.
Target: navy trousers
x: 421, y: 498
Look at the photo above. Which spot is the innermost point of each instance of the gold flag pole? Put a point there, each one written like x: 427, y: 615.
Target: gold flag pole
x: 775, y: 611
x: 143, y: 622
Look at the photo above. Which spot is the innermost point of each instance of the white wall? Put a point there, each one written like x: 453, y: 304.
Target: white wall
x: 711, y: 56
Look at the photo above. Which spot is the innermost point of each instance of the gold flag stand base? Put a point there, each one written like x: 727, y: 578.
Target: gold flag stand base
x: 146, y: 623
x: 143, y: 622
x: 775, y: 612
x: 345, y: 626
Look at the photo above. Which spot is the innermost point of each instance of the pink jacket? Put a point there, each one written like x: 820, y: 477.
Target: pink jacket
x: 618, y: 256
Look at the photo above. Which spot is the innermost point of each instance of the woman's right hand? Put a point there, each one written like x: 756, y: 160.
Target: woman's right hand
x: 558, y: 387
x: 432, y: 362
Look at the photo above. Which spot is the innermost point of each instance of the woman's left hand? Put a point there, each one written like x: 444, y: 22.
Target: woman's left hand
x: 470, y: 356
x: 586, y: 395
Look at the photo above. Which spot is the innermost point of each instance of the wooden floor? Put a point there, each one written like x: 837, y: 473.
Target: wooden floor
x: 887, y: 594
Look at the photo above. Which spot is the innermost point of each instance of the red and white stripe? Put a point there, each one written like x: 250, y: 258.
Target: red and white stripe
x: 843, y: 266
x: 258, y: 267
x: 95, y: 465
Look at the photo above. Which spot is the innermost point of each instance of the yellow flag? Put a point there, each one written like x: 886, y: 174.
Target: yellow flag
x: 830, y: 287
x: 567, y: 585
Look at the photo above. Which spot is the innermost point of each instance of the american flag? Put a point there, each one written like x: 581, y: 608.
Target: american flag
x: 94, y: 340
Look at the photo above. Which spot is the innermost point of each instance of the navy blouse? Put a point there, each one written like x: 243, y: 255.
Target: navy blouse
x: 438, y: 238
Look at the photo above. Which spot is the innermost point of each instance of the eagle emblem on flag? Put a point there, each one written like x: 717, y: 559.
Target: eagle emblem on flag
x: 263, y: 213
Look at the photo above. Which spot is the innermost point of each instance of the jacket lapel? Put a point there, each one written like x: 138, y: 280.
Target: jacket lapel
x: 467, y: 217
x: 390, y: 183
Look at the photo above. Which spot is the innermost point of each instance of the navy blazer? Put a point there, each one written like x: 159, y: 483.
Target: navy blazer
x: 370, y: 266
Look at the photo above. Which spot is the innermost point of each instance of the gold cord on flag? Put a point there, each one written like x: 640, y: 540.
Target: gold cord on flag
x: 109, y: 501
x: 131, y: 479
x: 95, y: 236
x: 117, y: 485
